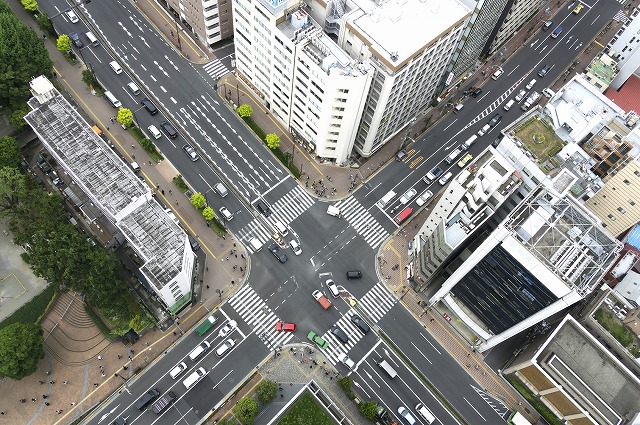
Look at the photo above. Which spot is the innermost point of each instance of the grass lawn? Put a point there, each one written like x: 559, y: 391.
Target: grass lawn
x: 32, y: 311
x: 618, y: 330
x: 306, y: 411
x: 539, y: 139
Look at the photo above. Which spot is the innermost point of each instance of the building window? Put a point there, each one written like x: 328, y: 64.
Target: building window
x: 621, y: 210
x: 631, y: 202
x: 626, y: 181
x: 611, y: 217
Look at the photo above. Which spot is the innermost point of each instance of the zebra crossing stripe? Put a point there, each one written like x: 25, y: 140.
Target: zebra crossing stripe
x: 362, y: 221
x: 292, y: 205
x: 253, y: 229
x: 215, y: 69
x: 377, y: 302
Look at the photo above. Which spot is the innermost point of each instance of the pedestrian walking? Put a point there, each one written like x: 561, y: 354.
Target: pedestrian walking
x: 46, y: 403
x: 47, y: 373
x: 162, y: 191
x: 51, y: 382
x: 149, y: 162
x: 64, y: 382
x: 73, y: 403
x: 41, y: 382
x: 33, y: 399
x: 44, y: 396
x: 177, y: 203
x: 119, y: 356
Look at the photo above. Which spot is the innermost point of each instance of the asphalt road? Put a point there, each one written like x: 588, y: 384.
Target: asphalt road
x: 331, y: 246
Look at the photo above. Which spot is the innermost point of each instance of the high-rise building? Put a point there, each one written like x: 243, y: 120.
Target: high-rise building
x: 618, y: 203
x: 162, y: 247
x: 209, y: 20
x: 548, y: 254
x: 624, y: 47
x: 514, y: 16
x: 345, y: 75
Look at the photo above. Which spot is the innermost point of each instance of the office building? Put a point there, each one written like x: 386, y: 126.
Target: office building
x: 625, y: 48
x: 160, y: 244
x: 465, y: 205
x: 548, y: 254
x: 208, y: 20
x: 618, y: 203
x: 345, y: 75
x: 515, y: 15
x: 575, y: 376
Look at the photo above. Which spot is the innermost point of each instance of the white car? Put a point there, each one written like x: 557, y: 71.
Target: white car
x: 405, y: 414
x: 227, y: 329
x: 295, y: 247
x: 346, y: 360
x: 408, y: 196
x: 333, y: 288
x: 424, y: 198
x: 172, y: 216
x: 226, y: 213
x: 445, y: 179
x: 225, y: 347
x: 72, y: 16
x: 521, y: 95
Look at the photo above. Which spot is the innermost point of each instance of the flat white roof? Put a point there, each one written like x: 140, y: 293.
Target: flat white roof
x: 405, y: 26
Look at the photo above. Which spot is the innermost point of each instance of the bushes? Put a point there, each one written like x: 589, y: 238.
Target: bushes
x: 266, y: 391
x: 32, y: 311
x: 537, y: 404
x: 346, y: 384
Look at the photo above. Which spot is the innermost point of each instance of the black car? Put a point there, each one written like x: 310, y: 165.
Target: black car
x: 43, y: 164
x: 476, y: 93
x: 354, y: 274
x: 169, y: 130
x: 495, y: 120
x: 280, y: 256
x: 263, y: 208
x: 149, y: 106
x: 147, y: 398
x: 339, y: 333
x: 361, y: 324
x: 76, y: 40
x: 544, y: 71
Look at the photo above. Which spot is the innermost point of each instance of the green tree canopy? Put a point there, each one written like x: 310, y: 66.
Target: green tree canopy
x: 9, y: 152
x: 266, y: 391
x: 21, y: 346
x: 64, y: 43
x: 44, y: 23
x: 246, y: 410
x: 12, y: 186
x: 22, y: 57
x: 368, y: 409
x: 30, y: 5
x: 245, y: 110
x: 198, y: 200
x: 272, y: 140
x: 208, y: 214
x: 125, y: 117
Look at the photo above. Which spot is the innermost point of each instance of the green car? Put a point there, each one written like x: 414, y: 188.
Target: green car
x: 314, y: 337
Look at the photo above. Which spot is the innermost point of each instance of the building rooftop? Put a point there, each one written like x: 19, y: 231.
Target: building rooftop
x: 628, y: 97
x: 398, y: 29
x: 108, y: 182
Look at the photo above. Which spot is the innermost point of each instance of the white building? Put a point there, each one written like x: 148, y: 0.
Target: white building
x: 548, y: 254
x: 209, y: 20
x: 625, y: 48
x: 125, y: 201
x: 518, y: 14
x: 362, y: 89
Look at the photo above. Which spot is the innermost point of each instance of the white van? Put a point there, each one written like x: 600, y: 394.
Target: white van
x: 133, y: 88
x: 255, y: 244
x: 386, y: 199
x: 92, y: 38
x: 425, y: 413
x: 497, y: 74
x: 458, y: 108
x: 155, y: 133
x: 281, y: 228
x: 453, y: 155
x: 199, y: 350
x: 178, y: 370
x: 386, y: 367
x: 531, y: 84
x: 194, y: 378
x: 334, y: 211
x: 116, y: 68
x: 467, y: 143
x: 509, y: 105
x: 221, y: 189
x: 112, y: 99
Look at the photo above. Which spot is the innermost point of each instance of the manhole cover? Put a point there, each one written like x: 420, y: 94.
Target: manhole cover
x: 279, y: 289
x: 232, y: 380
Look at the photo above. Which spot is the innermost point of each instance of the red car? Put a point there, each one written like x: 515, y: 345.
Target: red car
x: 285, y: 327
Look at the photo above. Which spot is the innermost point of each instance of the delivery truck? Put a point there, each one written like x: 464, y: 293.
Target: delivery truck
x: 208, y: 323
x: 324, y: 302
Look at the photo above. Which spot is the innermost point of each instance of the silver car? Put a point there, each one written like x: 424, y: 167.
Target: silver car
x: 406, y: 415
x: 408, y: 196
x: 227, y: 329
x: 521, y: 95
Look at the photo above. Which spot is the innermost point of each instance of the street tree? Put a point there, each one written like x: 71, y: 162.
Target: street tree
x: 272, y: 140
x: 198, y: 200
x: 137, y: 323
x: 16, y: 118
x: 208, y: 214
x: 64, y: 43
x: 266, y: 391
x: 9, y: 152
x: 12, y: 188
x: 45, y: 23
x: 246, y: 410
x: 30, y: 5
x: 226, y: 421
x: 22, y: 57
x: 368, y: 409
x: 21, y: 346
x: 245, y: 110
x: 125, y: 117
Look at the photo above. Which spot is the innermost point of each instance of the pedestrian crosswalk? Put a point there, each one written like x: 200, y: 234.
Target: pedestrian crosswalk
x: 257, y: 314
x: 621, y: 16
x: 253, y: 229
x: 377, y: 302
x: 362, y: 221
x: 290, y: 206
x: 215, y: 69
x: 336, y: 347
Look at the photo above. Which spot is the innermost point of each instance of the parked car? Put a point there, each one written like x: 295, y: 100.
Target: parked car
x: 408, y: 196
x: 521, y: 95
x: 495, y: 120
x: 72, y: 16
x: 464, y: 161
x: 424, y: 198
x: 76, y: 39
x: 544, y: 70
x: 476, y: 93
x: 578, y: 8
x: 547, y: 25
